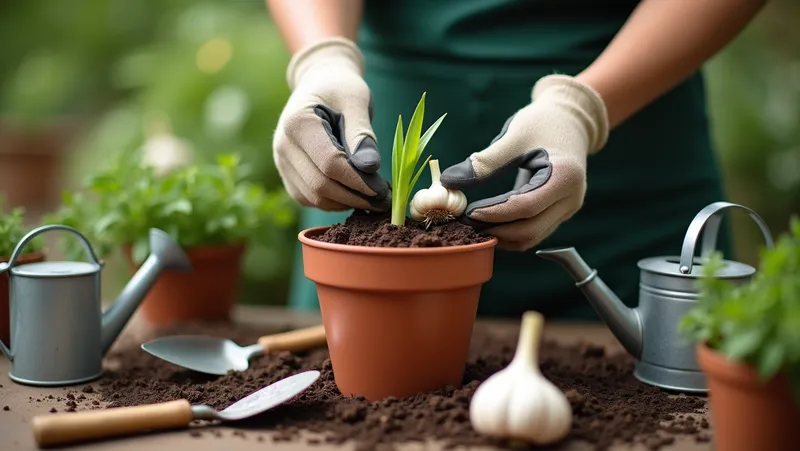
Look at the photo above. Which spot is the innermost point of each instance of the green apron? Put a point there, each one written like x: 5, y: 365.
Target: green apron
x: 478, y: 60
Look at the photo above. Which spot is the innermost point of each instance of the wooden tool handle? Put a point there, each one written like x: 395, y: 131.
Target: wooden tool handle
x: 295, y: 340
x: 79, y: 426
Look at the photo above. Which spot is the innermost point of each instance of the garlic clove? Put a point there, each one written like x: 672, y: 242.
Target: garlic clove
x: 518, y: 402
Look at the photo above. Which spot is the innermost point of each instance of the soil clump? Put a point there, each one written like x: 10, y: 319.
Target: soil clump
x: 609, y: 404
x: 376, y: 230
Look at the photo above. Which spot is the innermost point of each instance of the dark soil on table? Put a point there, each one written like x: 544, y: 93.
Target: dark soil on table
x: 608, y: 403
x: 376, y: 230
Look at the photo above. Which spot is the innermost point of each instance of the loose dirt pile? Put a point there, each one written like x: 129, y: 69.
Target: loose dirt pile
x: 609, y: 404
x: 376, y: 230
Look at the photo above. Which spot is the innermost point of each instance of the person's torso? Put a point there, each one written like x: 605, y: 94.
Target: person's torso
x: 558, y: 31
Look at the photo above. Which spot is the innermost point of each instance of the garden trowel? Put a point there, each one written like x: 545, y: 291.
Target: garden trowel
x: 215, y: 355
x: 67, y: 428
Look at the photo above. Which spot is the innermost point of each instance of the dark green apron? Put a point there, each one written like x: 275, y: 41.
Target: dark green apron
x: 478, y: 60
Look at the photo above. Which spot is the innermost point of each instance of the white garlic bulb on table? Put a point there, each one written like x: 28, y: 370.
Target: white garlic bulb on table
x: 518, y: 402
x: 437, y: 204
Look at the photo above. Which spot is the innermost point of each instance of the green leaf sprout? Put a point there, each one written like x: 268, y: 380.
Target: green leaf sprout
x: 405, y: 157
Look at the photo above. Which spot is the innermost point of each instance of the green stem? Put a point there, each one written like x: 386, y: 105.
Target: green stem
x: 398, y: 211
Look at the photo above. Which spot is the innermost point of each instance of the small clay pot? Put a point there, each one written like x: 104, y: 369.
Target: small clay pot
x: 31, y: 163
x: 747, y: 414
x: 398, y: 320
x: 5, y: 313
x: 207, y: 292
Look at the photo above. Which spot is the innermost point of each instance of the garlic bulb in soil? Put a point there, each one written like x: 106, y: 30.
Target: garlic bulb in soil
x: 437, y: 204
x: 518, y: 402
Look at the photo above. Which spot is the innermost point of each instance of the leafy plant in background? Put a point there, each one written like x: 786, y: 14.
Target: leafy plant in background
x: 198, y: 205
x: 12, y: 229
x: 405, y: 156
x: 758, y: 322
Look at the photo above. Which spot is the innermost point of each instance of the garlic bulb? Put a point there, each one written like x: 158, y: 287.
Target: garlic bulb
x: 518, y: 402
x: 437, y: 204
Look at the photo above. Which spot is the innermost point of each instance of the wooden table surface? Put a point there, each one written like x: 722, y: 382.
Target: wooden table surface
x: 16, y: 434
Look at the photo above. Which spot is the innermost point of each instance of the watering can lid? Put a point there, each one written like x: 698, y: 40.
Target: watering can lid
x: 55, y: 269
x: 670, y: 266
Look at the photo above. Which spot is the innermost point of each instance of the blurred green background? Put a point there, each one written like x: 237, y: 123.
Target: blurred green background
x: 81, y: 81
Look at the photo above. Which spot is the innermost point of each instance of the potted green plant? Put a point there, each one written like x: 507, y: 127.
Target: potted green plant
x: 748, y: 344
x: 12, y: 230
x: 210, y: 209
x: 398, y: 300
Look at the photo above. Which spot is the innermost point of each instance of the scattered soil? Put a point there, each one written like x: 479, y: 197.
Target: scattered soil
x: 376, y: 230
x: 608, y: 403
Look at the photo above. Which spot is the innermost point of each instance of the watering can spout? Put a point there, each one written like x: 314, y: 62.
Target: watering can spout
x: 165, y: 254
x: 623, y: 321
x: 6, y: 351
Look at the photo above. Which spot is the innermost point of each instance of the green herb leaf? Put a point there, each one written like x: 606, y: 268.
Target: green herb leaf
x: 744, y: 344
x: 202, y: 204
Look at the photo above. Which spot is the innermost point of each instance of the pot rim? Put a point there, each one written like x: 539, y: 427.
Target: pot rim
x: 25, y: 257
x: 719, y: 366
x: 304, y: 237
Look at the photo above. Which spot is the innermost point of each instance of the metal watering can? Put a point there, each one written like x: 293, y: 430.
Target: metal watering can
x: 59, y: 333
x: 667, y: 292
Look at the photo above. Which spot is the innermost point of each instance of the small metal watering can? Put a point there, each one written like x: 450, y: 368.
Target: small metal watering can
x: 667, y: 292
x: 58, y: 330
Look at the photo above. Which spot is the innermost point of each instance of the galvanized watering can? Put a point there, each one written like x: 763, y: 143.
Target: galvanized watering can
x: 59, y: 333
x: 667, y: 291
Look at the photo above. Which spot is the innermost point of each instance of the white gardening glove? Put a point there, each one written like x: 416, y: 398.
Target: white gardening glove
x: 548, y: 141
x: 324, y: 147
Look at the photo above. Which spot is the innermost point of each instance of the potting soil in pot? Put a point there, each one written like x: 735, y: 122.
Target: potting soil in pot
x: 376, y: 230
x: 609, y: 404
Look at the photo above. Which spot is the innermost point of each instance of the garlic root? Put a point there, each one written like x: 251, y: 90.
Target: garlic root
x: 437, y: 204
x: 518, y: 402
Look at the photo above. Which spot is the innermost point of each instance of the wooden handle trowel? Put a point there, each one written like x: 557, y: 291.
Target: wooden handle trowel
x: 215, y: 355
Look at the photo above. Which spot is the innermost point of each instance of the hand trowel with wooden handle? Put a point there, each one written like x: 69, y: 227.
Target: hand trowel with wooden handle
x: 214, y: 355
x: 60, y: 429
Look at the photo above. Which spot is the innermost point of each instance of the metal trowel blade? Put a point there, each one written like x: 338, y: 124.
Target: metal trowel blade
x: 201, y: 353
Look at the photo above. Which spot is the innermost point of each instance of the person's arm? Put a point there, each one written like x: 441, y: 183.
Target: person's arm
x: 302, y: 22
x: 662, y: 44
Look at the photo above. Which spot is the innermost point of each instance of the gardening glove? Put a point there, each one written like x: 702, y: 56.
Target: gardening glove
x: 548, y: 141
x: 324, y: 147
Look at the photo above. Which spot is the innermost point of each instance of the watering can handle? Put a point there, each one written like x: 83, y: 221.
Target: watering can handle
x: 707, y: 221
x: 33, y: 233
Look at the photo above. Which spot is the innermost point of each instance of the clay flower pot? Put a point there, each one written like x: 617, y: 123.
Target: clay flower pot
x: 398, y: 320
x: 5, y: 314
x: 31, y: 163
x: 207, y: 292
x: 747, y: 414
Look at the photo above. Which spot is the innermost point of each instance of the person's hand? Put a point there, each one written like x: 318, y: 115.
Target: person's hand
x: 548, y: 140
x: 324, y: 147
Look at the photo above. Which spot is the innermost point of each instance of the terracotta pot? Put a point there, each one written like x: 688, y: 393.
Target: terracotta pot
x: 207, y: 292
x: 398, y: 320
x: 5, y: 314
x: 31, y: 164
x: 747, y: 414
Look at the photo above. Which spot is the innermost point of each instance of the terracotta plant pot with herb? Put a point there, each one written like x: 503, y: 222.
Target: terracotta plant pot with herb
x: 210, y: 210
x: 748, y: 345
x: 12, y: 230
x: 399, y: 320
x: 208, y: 292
